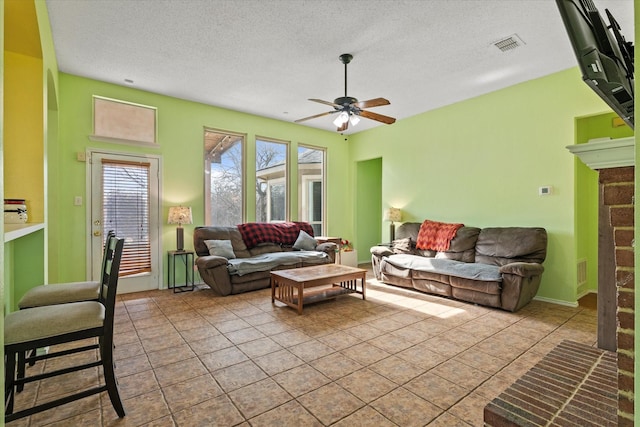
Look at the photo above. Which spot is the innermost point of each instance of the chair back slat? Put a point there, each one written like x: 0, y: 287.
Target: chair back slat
x: 105, y: 256
x: 111, y: 271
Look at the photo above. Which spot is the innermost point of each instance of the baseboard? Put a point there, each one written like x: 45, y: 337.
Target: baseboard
x: 586, y: 292
x: 557, y: 301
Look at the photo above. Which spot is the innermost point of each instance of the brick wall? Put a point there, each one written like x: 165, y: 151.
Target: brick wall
x: 618, y: 187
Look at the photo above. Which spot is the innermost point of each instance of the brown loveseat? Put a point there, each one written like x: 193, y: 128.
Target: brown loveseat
x: 248, y: 268
x: 497, y: 267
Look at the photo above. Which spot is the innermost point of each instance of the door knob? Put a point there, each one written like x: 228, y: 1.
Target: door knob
x: 97, y: 233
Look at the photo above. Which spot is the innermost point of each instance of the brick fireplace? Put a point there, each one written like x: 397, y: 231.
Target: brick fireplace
x: 617, y: 196
x: 612, y: 364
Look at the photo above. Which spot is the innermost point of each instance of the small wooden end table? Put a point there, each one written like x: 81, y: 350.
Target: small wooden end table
x: 292, y: 286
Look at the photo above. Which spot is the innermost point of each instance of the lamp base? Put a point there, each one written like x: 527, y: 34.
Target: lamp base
x: 392, y: 232
x: 180, y: 238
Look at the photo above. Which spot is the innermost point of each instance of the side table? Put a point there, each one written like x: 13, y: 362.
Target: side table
x: 336, y: 240
x: 187, y: 258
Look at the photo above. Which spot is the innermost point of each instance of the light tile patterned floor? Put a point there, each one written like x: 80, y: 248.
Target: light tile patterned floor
x: 400, y: 358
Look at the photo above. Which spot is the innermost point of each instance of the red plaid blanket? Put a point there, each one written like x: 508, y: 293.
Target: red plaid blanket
x: 283, y: 233
x: 436, y: 235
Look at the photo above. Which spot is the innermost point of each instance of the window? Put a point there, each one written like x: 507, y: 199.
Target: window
x: 125, y: 206
x: 120, y: 121
x: 224, y: 178
x: 311, y: 187
x: 271, y: 180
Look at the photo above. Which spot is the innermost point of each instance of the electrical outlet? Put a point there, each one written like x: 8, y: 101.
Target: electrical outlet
x: 77, y: 201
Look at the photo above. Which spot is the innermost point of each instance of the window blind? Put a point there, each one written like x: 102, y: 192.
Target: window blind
x: 125, y: 207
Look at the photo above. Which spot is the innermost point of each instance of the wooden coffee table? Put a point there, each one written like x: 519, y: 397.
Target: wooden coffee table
x: 292, y: 287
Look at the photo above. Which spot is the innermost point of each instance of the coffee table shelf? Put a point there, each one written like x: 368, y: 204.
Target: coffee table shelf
x: 292, y: 287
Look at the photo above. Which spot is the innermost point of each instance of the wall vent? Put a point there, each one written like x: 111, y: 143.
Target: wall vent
x: 582, y: 272
x: 509, y: 43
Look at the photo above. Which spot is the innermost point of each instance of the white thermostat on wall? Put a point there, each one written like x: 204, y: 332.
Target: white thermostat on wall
x: 545, y: 190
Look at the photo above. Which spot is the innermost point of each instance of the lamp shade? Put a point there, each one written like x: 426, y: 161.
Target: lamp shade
x: 393, y: 215
x: 180, y: 215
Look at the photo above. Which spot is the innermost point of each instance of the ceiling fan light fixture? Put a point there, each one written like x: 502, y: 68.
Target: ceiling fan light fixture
x: 342, y: 118
x: 349, y: 109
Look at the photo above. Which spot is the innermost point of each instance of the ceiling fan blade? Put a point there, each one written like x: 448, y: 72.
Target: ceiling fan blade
x: 325, y: 102
x: 375, y: 102
x: 314, y: 117
x: 344, y: 126
x: 377, y: 117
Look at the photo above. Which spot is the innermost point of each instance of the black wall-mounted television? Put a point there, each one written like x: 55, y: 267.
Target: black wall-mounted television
x: 604, y: 56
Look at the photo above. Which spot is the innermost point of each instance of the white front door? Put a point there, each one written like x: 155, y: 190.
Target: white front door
x: 124, y: 197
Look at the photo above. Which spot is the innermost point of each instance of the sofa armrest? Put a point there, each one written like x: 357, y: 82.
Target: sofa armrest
x: 381, y: 251
x: 329, y: 248
x: 524, y: 269
x: 213, y: 270
x: 211, y: 261
x: 377, y: 253
x: 520, y: 283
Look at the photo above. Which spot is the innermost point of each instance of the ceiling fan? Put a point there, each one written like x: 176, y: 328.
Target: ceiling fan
x: 350, y: 109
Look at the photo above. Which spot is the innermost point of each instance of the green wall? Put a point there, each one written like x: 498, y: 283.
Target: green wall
x: 368, y: 207
x: 587, y: 191
x: 180, y: 137
x: 481, y: 161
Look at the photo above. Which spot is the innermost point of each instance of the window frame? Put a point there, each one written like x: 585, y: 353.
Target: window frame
x: 207, y: 174
x: 281, y: 179
x: 305, y: 180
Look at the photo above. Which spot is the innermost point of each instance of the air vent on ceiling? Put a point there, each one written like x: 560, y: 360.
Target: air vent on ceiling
x: 509, y: 43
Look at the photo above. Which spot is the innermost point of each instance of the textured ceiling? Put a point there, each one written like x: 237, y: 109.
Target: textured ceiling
x: 267, y: 57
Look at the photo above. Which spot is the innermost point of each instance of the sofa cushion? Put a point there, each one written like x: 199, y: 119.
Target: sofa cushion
x: 304, y: 242
x: 475, y: 271
x: 504, y: 245
x: 402, y: 246
x: 221, y: 248
x: 269, y: 261
x: 265, y: 248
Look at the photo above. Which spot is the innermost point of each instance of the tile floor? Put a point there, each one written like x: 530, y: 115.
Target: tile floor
x: 400, y: 358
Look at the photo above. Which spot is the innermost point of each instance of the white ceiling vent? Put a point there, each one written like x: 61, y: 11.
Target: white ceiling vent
x: 509, y: 43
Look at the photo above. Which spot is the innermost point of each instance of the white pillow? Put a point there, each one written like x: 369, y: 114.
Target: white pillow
x: 221, y: 248
x: 304, y: 242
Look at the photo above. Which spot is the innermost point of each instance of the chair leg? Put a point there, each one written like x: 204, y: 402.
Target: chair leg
x: 9, y: 380
x: 109, y: 376
x: 21, y: 369
x: 32, y: 352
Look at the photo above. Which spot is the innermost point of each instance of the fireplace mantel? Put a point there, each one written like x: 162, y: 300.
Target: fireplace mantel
x: 604, y: 153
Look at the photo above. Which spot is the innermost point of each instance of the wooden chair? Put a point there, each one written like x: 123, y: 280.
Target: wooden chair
x: 62, y: 293
x: 66, y: 323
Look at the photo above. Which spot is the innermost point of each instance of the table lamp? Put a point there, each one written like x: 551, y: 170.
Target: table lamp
x: 393, y: 215
x: 180, y: 215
